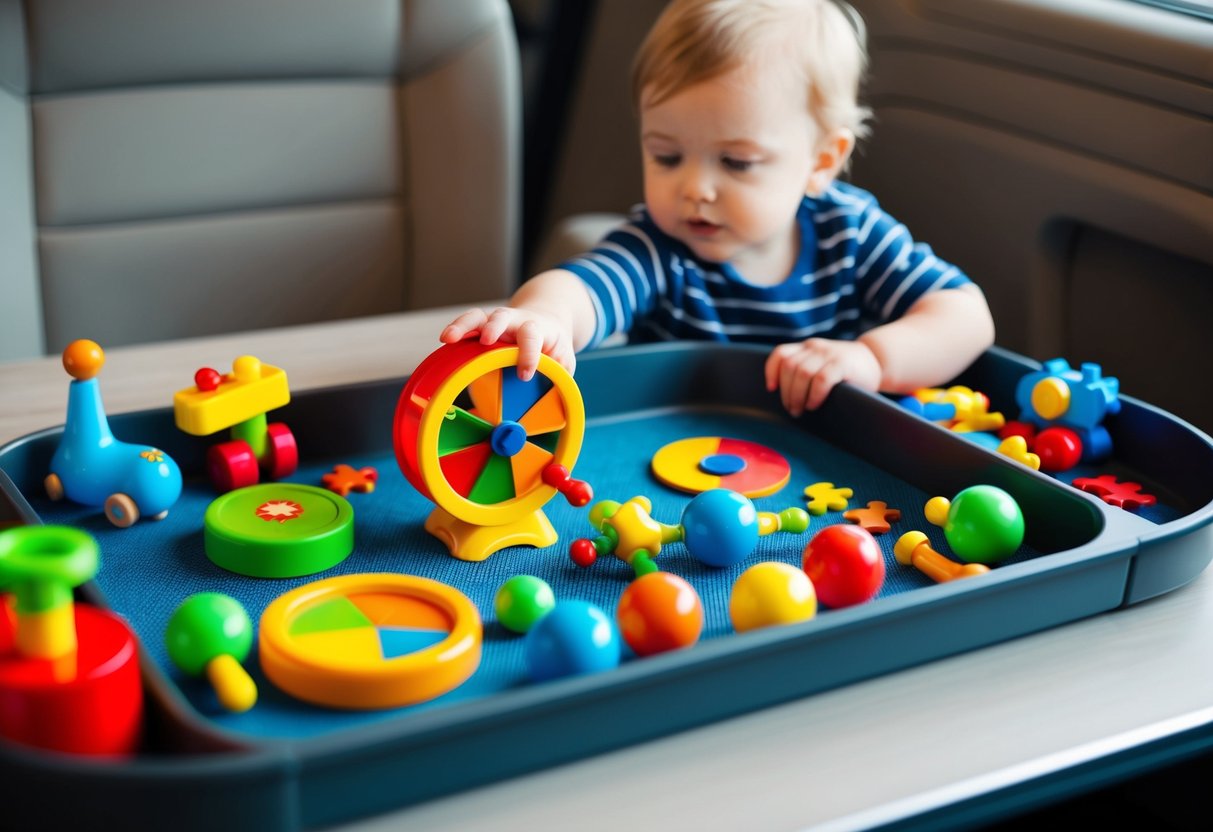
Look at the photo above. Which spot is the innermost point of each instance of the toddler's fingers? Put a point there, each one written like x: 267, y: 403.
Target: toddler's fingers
x: 775, y: 362
x: 530, y: 346
x: 497, y: 323
x: 563, y: 353
x: 463, y: 326
x: 794, y: 383
x: 825, y: 380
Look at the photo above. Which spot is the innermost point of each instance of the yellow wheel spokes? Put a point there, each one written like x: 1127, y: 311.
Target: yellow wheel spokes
x: 494, y: 389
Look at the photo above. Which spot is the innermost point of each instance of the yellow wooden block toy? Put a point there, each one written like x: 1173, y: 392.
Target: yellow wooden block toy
x: 251, y: 388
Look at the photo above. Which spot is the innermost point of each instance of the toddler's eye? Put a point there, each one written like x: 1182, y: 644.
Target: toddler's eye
x: 737, y: 165
x: 667, y: 160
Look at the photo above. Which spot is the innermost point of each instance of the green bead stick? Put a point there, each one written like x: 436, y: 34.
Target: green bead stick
x: 210, y: 634
x: 792, y: 520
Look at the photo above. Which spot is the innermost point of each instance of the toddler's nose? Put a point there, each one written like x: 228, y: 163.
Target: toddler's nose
x: 698, y: 185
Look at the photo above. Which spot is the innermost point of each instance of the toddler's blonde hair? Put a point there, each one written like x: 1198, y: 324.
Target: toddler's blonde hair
x: 696, y: 40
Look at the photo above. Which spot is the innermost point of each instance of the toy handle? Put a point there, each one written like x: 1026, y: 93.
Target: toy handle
x: 235, y: 688
x: 577, y: 492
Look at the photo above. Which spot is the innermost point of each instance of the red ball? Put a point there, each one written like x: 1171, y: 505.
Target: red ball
x: 1059, y: 449
x: 582, y: 552
x: 207, y: 379
x: 845, y: 564
x: 1024, y: 429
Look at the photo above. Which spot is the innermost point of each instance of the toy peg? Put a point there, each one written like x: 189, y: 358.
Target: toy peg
x: 577, y: 492
x: 913, y: 549
x: 42, y: 565
x: 210, y: 634
x: 794, y: 520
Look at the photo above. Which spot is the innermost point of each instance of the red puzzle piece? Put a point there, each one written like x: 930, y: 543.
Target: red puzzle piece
x: 345, y: 479
x: 1127, y: 495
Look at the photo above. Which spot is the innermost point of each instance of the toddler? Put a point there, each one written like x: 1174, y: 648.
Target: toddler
x: 748, y: 114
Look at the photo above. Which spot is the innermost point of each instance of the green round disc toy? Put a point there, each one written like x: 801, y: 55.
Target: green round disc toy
x: 983, y: 523
x: 279, y: 530
x: 523, y: 600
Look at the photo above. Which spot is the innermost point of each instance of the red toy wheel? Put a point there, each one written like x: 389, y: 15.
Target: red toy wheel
x: 232, y: 465
x: 281, y: 452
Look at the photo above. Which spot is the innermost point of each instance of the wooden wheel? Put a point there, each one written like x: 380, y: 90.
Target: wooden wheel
x: 121, y: 511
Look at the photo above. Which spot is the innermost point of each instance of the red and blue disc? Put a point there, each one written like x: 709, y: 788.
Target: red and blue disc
x: 701, y: 463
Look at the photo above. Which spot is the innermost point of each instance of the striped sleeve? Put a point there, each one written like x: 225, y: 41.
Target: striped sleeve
x: 625, y: 276
x: 892, y: 271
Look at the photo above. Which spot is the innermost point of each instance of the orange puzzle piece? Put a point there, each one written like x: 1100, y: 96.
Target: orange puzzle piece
x: 343, y: 479
x: 875, y: 518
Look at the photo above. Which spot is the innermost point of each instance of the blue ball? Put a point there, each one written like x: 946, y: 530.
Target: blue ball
x: 720, y: 527
x: 575, y: 637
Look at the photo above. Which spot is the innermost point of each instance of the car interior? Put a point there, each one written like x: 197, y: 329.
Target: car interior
x: 178, y: 169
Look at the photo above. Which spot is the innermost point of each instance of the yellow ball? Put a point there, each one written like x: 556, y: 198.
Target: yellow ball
x: 769, y: 594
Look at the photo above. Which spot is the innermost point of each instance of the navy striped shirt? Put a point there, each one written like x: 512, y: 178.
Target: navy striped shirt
x: 857, y: 268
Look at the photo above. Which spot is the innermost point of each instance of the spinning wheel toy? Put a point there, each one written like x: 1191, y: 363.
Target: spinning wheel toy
x: 489, y: 449
x: 239, y: 401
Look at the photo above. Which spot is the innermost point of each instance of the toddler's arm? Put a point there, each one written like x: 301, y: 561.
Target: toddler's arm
x: 940, y: 335
x: 550, y: 314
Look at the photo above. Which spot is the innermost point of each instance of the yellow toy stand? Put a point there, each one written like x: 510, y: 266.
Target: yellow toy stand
x: 370, y: 641
x: 488, y: 448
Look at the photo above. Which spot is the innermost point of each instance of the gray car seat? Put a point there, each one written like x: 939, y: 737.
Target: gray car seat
x: 173, y: 168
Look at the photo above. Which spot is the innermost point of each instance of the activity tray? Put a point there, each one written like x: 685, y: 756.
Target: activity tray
x: 286, y: 764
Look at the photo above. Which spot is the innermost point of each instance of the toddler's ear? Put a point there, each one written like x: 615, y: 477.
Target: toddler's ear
x: 831, y: 155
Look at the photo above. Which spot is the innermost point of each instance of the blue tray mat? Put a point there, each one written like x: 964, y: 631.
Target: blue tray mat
x: 149, y: 569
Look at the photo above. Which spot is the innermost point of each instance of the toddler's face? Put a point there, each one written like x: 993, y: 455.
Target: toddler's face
x: 726, y: 163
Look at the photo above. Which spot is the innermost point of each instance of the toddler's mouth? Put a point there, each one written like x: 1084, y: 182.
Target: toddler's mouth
x: 701, y: 227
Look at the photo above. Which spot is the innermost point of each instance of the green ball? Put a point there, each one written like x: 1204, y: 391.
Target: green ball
x: 984, y: 525
x: 523, y: 600
x: 205, y: 626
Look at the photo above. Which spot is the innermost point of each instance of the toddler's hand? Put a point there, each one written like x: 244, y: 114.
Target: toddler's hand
x: 534, y: 332
x: 805, y: 372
